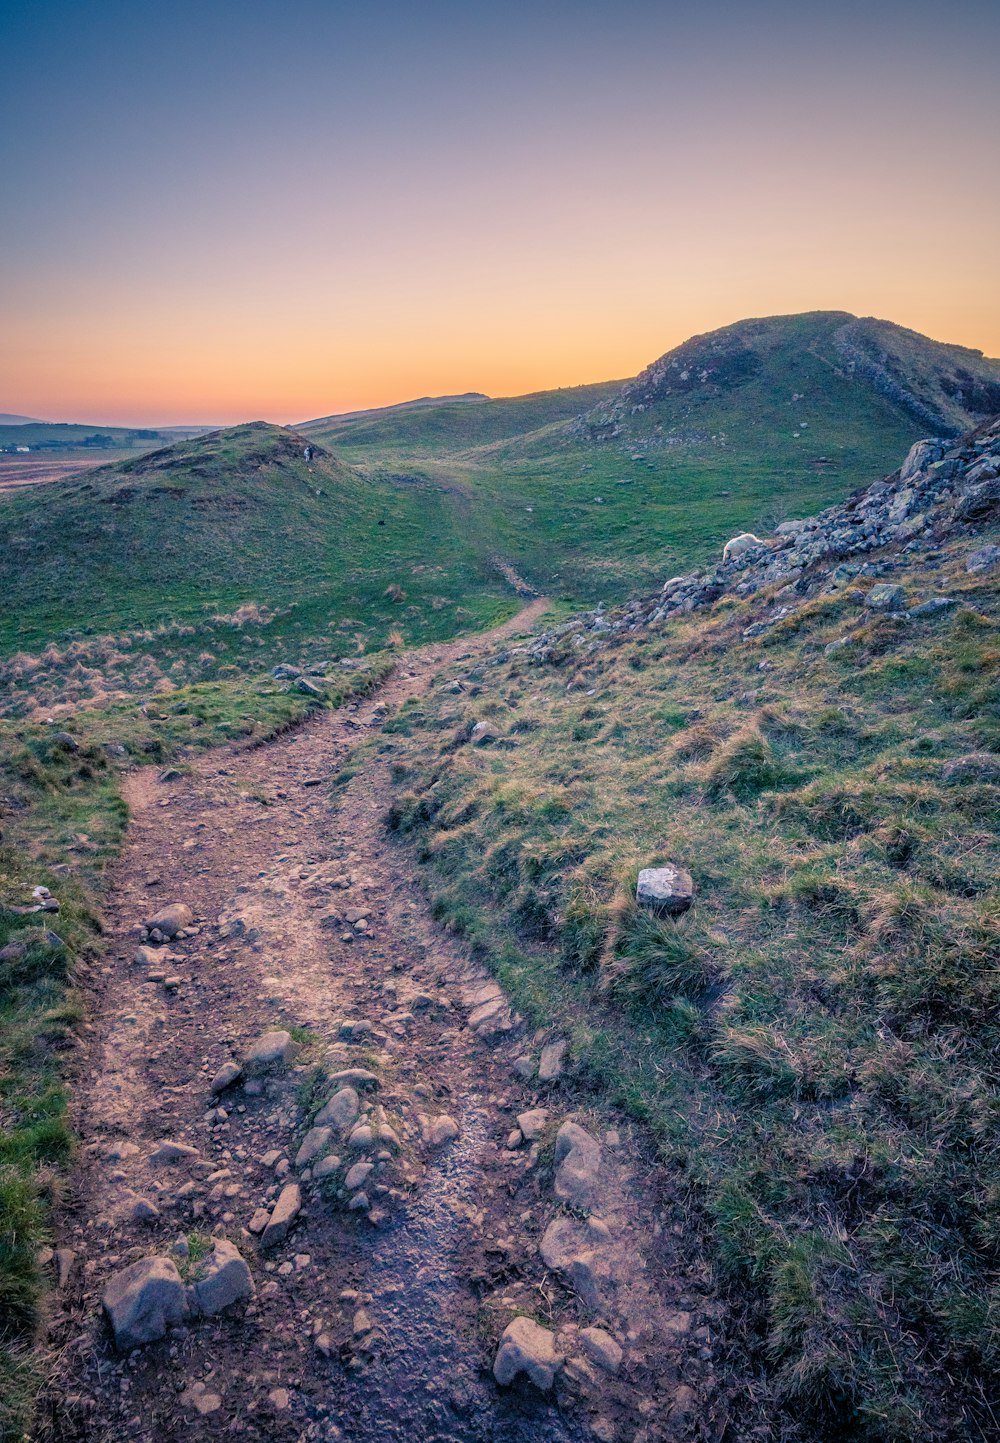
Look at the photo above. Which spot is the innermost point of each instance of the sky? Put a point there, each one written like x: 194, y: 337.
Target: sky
x: 216, y: 211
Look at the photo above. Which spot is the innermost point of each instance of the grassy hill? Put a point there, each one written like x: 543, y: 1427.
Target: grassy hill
x: 595, y: 492
x: 814, y: 1045
x: 192, y: 562
x: 222, y: 553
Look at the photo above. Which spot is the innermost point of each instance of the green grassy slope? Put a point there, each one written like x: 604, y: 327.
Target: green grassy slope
x: 814, y: 1046
x: 600, y: 504
x: 230, y: 551
x: 181, y: 564
x: 459, y: 425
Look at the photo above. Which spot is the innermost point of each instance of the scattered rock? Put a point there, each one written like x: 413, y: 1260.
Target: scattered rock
x: 171, y: 919
x: 578, y: 1164
x: 223, y: 1279
x: 313, y: 1144
x: 526, y: 1347
x: 666, y: 891
x: 552, y: 1060
x: 143, y: 1301
x: 144, y: 1211
x: 572, y: 1249
x: 983, y: 560
x: 227, y: 1075
x: 533, y: 1123
x: 169, y: 1152
x: 197, y: 1396
x: 340, y: 1111
x: 886, y: 597
x: 325, y: 1167
x: 273, y: 1049
x: 283, y: 1214
x: 601, y: 1348
x: 358, y: 1175
x: 440, y: 1130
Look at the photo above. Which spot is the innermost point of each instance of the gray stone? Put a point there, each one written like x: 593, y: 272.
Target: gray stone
x: 932, y: 607
x: 357, y: 1077
x: 551, y: 1063
x: 526, y: 1347
x: 601, y: 1348
x: 362, y: 1139
x: 533, y: 1123
x: 173, y: 1152
x: 283, y: 1214
x: 983, y: 560
x: 171, y: 919
x: 313, y: 1144
x: 284, y: 671
x: 223, y: 1278
x: 440, y: 1130
x: 144, y: 1211
x: 272, y: 1049
x: 573, y: 1250
x: 358, y: 1175
x: 666, y: 890
x: 578, y: 1165
x: 227, y: 1074
x: 310, y: 688
x: 325, y: 1167
x: 886, y: 597
x: 143, y: 1301
x: 340, y: 1111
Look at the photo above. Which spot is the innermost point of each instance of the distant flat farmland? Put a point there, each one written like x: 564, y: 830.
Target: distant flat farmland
x: 17, y: 471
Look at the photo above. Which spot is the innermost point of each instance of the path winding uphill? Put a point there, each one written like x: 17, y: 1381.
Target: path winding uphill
x: 369, y: 1166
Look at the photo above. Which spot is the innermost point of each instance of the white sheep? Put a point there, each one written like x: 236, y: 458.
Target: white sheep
x: 739, y: 544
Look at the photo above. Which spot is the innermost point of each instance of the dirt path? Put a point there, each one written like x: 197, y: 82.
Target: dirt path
x: 377, y: 1317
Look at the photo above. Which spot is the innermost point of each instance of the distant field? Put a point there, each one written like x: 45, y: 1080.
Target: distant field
x: 16, y: 471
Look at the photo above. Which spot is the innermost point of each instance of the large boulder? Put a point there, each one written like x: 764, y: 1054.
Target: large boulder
x: 314, y: 1144
x: 170, y: 919
x: 886, y: 597
x: 143, y: 1301
x: 666, y: 890
x: 526, y: 1347
x: 224, y: 1278
x: 578, y: 1165
x: 920, y: 455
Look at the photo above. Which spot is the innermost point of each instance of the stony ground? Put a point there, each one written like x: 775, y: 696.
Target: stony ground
x: 379, y: 1312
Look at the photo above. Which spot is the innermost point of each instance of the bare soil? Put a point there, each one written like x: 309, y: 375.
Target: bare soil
x: 280, y: 869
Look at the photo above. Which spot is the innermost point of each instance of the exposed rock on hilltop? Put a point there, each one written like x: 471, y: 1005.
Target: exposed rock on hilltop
x: 945, y: 387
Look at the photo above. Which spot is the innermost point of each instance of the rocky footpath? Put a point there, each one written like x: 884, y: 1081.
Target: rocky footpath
x: 945, y: 491
x: 331, y: 1186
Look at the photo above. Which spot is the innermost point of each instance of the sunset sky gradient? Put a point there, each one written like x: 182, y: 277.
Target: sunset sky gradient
x: 215, y: 211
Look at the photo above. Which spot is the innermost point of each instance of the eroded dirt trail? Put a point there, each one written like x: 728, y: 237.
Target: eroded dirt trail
x: 371, y: 1319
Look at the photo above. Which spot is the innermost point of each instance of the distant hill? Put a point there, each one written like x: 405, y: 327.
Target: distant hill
x: 773, y: 372
x: 458, y: 423
x: 7, y: 419
x: 341, y: 419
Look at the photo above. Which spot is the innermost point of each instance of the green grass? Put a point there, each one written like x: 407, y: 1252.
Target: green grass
x: 813, y: 1047
x: 232, y: 552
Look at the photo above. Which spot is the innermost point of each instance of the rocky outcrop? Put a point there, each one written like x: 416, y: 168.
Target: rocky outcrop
x: 943, y: 489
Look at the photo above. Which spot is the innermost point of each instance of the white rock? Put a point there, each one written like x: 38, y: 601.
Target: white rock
x: 552, y: 1060
x: 601, y: 1348
x: 272, y: 1049
x: 666, y: 890
x: 170, y: 919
